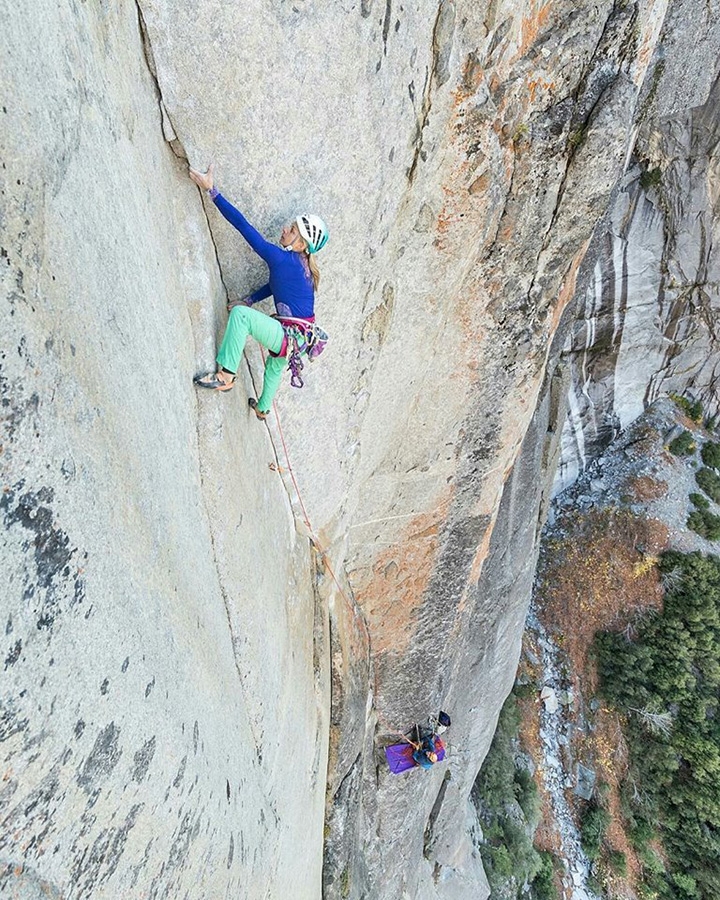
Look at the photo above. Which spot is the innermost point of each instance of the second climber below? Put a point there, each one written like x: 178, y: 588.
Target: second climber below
x: 293, y: 280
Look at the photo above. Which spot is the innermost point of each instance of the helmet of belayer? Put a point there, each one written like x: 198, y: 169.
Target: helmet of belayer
x: 313, y: 231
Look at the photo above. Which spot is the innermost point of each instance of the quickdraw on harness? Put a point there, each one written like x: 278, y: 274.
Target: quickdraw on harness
x: 302, y: 338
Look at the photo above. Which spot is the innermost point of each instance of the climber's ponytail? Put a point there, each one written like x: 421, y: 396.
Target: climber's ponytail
x: 314, y: 271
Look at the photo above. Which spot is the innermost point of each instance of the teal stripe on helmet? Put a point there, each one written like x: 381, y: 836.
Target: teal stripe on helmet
x: 314, y: 232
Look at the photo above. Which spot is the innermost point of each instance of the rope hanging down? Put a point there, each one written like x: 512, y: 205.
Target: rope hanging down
x: 351, y: 605
x: 306, y: 519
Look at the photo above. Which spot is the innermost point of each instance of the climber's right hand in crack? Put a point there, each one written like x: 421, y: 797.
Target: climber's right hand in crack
x: 206, y: 180
x: 241, y: 302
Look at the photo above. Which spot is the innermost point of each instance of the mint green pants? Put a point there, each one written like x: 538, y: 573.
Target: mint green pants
x: 267, y: 331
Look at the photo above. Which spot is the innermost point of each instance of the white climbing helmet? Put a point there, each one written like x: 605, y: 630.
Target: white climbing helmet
x: 314, y: 232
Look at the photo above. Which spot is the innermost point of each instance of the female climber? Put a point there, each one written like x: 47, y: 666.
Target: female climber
x: 293, y: 280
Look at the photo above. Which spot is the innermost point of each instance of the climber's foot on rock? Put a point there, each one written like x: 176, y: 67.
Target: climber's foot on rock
x: 252, y: 403
x: 215, y: 381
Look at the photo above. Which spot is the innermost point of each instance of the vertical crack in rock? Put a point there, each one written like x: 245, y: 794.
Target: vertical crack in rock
x: 318, y: 646
x: 352, y: 690
x: 215, y: 249
x: 442, y: 38
x: 226, y: 604
x: 178, y: 149
x: 169, y: 133
x: 613, y: 48
x: 493, y: 245
x: 598, y: 77
x: 428, y: 837
x: 168, y: 128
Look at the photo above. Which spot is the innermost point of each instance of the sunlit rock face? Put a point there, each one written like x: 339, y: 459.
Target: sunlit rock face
x: 160, y: 649
x: 172, y: 639
x: 648, y: 306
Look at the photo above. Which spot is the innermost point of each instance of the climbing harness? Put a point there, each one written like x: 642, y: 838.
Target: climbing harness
x: 303, y: 337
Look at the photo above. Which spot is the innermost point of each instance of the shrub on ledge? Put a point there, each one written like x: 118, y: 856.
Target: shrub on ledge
x: 709, y: 482
x: 683, y: 445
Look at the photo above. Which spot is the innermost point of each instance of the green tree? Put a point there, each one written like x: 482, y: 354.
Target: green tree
x: 704, y: 523
x: 710, y: 454
x: 682, y: 445
x: 673, y: 786
x: 709, y: 482
x: 594, y: 822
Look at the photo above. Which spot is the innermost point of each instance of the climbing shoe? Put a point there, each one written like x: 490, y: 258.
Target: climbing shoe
x: 252, y: 403
x: 215, y: 381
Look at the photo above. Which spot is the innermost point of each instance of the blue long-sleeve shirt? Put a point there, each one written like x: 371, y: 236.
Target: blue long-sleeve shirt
x: 420, y: 755
x: 290, y: 282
